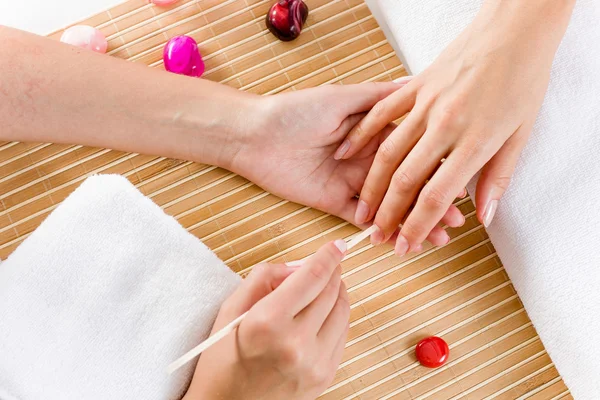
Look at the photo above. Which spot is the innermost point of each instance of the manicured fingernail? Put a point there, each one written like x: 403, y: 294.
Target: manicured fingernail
x: 362, y: 212
x: 464, y: 220
x: 294, y: 264
x: 403, y: 80
x: 415, y: 248
x: 402, y: 246
x: 341, y: 245
x: 490, y: 211
x: 463, y: 194
x: 342, y: 150
x: 446, y: 238
x: 377, y: 237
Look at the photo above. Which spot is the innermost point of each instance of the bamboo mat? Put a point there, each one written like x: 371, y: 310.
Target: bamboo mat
x: 460, y: 292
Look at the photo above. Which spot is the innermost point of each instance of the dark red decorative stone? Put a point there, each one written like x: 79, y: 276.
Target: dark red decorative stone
x: 286, y: 19
x: 432, y: 352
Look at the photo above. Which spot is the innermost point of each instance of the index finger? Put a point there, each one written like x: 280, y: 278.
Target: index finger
x: 385, y: 111
x: 303, y: 287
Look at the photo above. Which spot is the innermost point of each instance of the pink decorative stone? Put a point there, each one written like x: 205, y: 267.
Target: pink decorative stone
x: 181, y: 56
x: 85, y: 37
x: 163, y: 3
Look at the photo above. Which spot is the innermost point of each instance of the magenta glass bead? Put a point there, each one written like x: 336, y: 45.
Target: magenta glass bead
x: 286, y: 19
x: 181, y: 56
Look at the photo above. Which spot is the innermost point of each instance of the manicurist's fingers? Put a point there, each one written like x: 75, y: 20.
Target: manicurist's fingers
x: 315, y: 314
x: 385, y: 111
x: 336, y: 323
x: 360, y: 97
x: 262, y: 281
x: 303, y: 287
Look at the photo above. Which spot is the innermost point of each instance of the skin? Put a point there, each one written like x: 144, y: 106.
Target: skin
x: 292, y: 340
x: 192, y: 119
x: 284, y: 143
x: 474, y: 106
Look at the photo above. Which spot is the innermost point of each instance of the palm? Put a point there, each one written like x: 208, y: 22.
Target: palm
x: 298, y: 164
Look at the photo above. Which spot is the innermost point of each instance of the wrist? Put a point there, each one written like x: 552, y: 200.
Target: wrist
x: 537, y: 19
x: 219, y: 125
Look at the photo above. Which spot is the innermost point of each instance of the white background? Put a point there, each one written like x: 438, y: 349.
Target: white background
x: 45, y: 16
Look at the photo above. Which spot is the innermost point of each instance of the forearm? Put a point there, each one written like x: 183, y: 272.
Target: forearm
x: 535, y: 26
x: 51, y: 92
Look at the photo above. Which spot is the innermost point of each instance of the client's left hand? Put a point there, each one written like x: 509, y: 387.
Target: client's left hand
x: 290, y: 151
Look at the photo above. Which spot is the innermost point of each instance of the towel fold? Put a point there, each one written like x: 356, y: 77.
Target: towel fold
x: 103, y: 296
x: 546, y: 228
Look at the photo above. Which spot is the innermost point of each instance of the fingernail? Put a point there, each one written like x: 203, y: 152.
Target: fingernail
x: 446, y: 238
x: 490, y: 211
x: 294, y: 264
x: 464, y: 220
x: 362, y: 212
x: 463, y: 194
x: 402, y: 246
x: 417, y: 249
x: 377, y: 237
x: 342, y: 150
x: 341, y: 245
x: 403, y: 80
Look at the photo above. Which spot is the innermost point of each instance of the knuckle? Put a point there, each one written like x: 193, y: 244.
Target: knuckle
x: 450, y: 116
x: 262, y: 324
x: 359, y: 130
x: 434, y: 198
x: 317, y: 374
x: 412, y: 231
x: 291, y: 355
x: 259, y: 270
x: 379, y: 110
x: 403, y: 182
x: 387, y: 152
x: 319, y: 270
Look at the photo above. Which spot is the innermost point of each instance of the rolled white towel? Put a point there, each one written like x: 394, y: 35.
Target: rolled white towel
x: 103, y: 296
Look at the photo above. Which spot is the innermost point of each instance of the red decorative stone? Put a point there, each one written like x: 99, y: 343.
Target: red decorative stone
x: 286, y: 19
x: 432, y: 352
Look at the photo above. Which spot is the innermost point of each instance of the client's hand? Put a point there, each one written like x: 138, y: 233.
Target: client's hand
x: 290, y: 151
x: 290, y: 343
x: 474, y: 107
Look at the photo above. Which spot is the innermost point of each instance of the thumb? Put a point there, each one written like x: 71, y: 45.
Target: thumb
x: 359, y: 98
x: 262, y: 281
x: 496, y: 175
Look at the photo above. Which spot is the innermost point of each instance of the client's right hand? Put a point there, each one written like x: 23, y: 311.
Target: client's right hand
x: 291, y: 342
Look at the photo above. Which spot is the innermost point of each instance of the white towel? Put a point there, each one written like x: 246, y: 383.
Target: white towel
x: 102, y: 297
x: 546, y: 229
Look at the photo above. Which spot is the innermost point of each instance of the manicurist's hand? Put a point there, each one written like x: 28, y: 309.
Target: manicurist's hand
x: 289, y: 149
x: 290, y: 343
x: 474, y: 107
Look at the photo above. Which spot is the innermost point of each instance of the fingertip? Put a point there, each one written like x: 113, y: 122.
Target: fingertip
x: 362, y: 212
x: 377, y: 237
x: 403, y: 80
x: 342, y: 150
x: 341, y: 245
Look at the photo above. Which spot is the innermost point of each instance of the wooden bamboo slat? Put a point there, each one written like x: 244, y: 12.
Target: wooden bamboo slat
x: 459, y: 291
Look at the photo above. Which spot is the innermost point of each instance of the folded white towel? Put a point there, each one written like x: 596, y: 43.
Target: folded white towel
x: 546, y: 229
x: 102, y: 297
